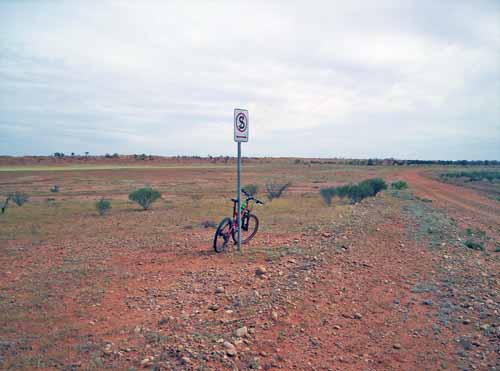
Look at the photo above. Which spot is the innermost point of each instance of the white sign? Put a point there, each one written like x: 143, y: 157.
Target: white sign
x: 240, y: 125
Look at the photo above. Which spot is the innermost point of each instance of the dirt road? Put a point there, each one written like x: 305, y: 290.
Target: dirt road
x: 463, y: 204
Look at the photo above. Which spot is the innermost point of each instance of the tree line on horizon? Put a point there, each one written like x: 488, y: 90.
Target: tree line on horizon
x: 296, y: 161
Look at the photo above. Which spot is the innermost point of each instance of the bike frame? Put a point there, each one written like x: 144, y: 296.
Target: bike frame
x: 244, y: 209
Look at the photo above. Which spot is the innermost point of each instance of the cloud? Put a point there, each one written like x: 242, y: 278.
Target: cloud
x: 387, y: 78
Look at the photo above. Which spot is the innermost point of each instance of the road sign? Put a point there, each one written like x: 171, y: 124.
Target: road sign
x: 240, y: 125
x: 240, y: 135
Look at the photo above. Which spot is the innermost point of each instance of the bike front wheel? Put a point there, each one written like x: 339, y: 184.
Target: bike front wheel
x: 222, y: 233
x: 249, y: 227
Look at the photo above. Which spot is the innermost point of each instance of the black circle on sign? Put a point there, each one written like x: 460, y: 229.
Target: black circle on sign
x: 241, y: 122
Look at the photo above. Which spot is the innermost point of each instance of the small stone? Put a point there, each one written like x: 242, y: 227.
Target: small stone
x: 260, y: 271
x: 219, y: 290
x: 427, y: 302
x: 163, y: 321
x: 336, y: 327
x: 213, y: 307
x: 397, y: 346
x: 242, y: 331
x: 145, y: 362
x: 274, y: 315
x: 230, y: 349
x: 466, y: 321
x: 357, y: 316
x: 107, y: 350
x: 185, y: 360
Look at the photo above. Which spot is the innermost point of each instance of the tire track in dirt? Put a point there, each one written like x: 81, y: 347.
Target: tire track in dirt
x: 464, y: 205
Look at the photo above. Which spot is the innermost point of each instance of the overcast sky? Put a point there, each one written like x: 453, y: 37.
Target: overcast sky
x: 406, y: 79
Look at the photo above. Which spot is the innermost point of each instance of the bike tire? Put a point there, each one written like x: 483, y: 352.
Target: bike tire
x: 253, y: 224
x: 221, y: 237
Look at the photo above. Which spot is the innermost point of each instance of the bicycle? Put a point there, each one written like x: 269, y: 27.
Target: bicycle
x: 228, y: 227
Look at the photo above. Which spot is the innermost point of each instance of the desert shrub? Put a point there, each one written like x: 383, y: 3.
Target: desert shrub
x: 471, y: 244
x: 103, y: 206
x: 360, y: 191
x: 145, y: 196
x: 399, y: 184
x: 275, y: 190
x: 327, y: 194
x: 474, y: 176
x: 376, y: 185
x: 251, y: 188
x: 19, y: 198
x: 55, y: 189
x: 343, y: 191
x: 355, y: 192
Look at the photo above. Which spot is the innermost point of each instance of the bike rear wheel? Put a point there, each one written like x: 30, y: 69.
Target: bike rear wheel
x: 249, y: 227
x: 222, y: 233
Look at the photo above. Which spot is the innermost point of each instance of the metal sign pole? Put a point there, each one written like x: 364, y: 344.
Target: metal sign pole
x: 239, y: 196
x: 240, y: 135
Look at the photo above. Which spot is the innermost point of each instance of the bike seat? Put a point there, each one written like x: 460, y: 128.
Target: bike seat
x: 234, y: 199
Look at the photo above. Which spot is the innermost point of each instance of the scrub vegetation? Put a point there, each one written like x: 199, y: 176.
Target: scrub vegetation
x: 145, y: 197
x: 474, y: 176
x: 354, y: 192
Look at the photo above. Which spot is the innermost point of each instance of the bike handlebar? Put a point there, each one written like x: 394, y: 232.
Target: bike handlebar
x: 251, y: 197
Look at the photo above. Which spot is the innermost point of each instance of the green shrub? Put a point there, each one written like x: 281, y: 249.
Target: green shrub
x: 327, y: 194
x: 19, y: 198
x: 275, y: 190
x: 251, y: 188
x: 474, y: 245
x: 355, y: 192
x: 144, y: 196
x: 103, y: 206
x: 399, y: 184
x: 376, y: 184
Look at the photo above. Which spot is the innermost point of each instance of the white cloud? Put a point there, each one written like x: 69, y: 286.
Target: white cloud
x: 303, y: 69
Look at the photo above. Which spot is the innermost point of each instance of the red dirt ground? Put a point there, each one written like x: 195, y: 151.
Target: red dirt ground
x: 360, y: 293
